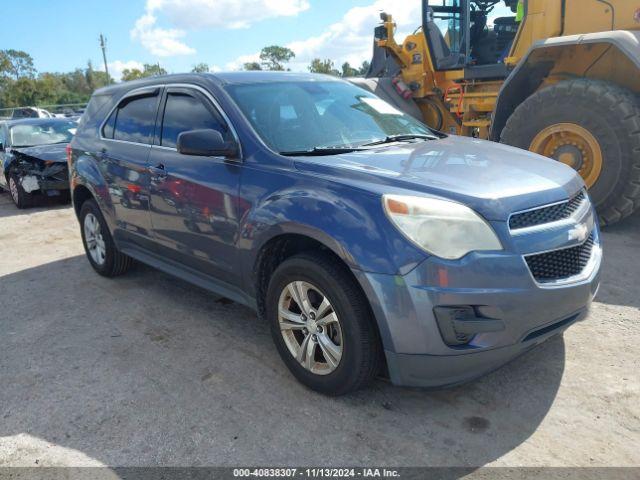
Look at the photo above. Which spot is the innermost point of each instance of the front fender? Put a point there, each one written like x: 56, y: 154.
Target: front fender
x: 349, y: 222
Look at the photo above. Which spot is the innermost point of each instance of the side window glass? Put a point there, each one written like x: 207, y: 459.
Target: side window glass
x: 107, y: 130
x: 186, y: 111
x: 135, y: 120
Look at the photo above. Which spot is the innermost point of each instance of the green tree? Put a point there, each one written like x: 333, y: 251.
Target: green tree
x: 148, y: 70
x: 252, y: 66
x: 16, y: 63
x: 274, y: 57
x: 95, y: 79
x: 364, y: 68
x: 129, y: 74
x: 200, y: 68
x: 323, y: 66
x: 349, y: 71
x: 24, y: 88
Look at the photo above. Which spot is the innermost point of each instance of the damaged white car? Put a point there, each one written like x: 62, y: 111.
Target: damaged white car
x: 33, y: 159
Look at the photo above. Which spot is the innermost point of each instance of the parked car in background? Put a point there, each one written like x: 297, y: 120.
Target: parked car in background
x: 33, y: 159
x: 362, y: 236
x: 31, y: 112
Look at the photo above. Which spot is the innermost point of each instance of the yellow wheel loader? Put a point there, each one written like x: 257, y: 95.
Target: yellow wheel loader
x: 558, y: 77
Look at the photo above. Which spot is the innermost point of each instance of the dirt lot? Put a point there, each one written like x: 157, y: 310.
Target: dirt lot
x: 148, y: 370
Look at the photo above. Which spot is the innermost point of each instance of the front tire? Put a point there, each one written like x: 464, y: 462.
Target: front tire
x: 592, y: 125
x: 21, y: 198
x: 321, y: 324
x: 101, y: 251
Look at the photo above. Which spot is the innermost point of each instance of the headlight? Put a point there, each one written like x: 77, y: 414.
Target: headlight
x: 445, y: 229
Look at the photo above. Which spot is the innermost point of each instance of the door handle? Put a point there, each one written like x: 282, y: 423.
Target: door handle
x: 158, y: 172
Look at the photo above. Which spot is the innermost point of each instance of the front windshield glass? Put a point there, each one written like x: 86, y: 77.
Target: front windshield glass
x: 301, y: 116
x: 42, y: 133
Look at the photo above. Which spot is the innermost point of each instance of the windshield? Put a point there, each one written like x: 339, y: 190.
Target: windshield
x: 301, y: 116
x: 42, y: 133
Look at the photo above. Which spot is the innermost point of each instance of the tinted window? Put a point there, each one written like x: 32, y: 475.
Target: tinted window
x: 107, y: 130
x: 186, y: 111
x: 292, y: 116
x: 135, y: 119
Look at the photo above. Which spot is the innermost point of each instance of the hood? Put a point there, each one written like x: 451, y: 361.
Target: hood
x: 48, y: 153
x: 493, y: 179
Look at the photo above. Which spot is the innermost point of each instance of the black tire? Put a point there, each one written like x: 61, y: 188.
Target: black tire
x: 21, y: 198
x: 362, y: 353
x: 115, y: 262
x: 612, y: 115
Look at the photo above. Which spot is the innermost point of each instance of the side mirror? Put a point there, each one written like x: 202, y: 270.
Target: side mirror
x: 206, y: 143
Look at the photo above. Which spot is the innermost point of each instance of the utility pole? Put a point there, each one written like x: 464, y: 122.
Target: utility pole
x: 103, y: 46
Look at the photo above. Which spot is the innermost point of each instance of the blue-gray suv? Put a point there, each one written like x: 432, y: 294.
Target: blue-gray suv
x: 370, y: 243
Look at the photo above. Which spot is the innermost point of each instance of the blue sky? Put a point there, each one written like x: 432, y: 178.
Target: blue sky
x: 63, y: 34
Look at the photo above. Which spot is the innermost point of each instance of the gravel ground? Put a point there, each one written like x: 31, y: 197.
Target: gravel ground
x: 147, y: 370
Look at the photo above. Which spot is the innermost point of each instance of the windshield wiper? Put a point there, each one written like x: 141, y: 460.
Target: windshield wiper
x: 320, y: 151
x: 401, y: 138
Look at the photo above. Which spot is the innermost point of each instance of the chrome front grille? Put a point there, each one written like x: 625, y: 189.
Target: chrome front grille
x: 563, y: 264
x: 548, y: 214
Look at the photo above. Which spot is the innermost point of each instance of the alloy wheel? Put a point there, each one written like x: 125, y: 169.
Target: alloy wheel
x: 310, y: 327
x: 93, y: 238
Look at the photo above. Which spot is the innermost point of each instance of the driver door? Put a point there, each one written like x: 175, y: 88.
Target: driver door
x: 193, y: 199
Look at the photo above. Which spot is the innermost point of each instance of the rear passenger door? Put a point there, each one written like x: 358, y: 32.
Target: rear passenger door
x: 128, y: 134
x: 194, y: 199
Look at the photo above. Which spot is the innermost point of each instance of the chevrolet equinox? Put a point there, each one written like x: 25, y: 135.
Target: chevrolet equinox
x: 367, y: 241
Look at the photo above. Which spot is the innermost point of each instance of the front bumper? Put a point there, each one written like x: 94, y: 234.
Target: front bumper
x: 498, y: 286
x: 432, y: 371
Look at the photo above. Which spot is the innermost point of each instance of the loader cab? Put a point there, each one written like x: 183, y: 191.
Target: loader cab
x: 461, y: 37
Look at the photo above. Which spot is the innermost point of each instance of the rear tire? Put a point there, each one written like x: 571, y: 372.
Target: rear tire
x: 21, y: 198
x: 101, y: 251
x: 354, y: 333
x: 610, y: 115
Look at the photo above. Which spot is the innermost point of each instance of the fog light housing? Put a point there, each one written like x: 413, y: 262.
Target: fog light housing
x: 459, y: 324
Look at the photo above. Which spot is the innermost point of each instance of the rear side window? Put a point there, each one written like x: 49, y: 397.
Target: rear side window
x: 186, y: 111
x: 90, y: 114
x: 107, y: 130
x: 133, y: 120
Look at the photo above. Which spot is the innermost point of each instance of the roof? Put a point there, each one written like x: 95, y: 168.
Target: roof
x: 260, y: 76
x: 222, y: 78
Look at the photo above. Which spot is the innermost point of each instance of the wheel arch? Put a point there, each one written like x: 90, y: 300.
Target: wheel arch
x: 285, y: 245
x: 576, y: 56
x: 284, y: 242
x: 86, y: 178
x: 80, y: 195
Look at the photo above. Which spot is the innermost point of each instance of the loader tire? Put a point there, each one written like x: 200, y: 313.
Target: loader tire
x: 593, y: 126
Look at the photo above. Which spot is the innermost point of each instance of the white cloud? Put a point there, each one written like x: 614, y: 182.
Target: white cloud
x: 187, y: 15
x: 159, y: 41
x: 350, y: 39
x: 116, y: 68
x: 239, y: 62
x: 194, y: 14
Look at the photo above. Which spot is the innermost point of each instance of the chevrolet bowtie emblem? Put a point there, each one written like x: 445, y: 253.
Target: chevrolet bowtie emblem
x: 579, y: 232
